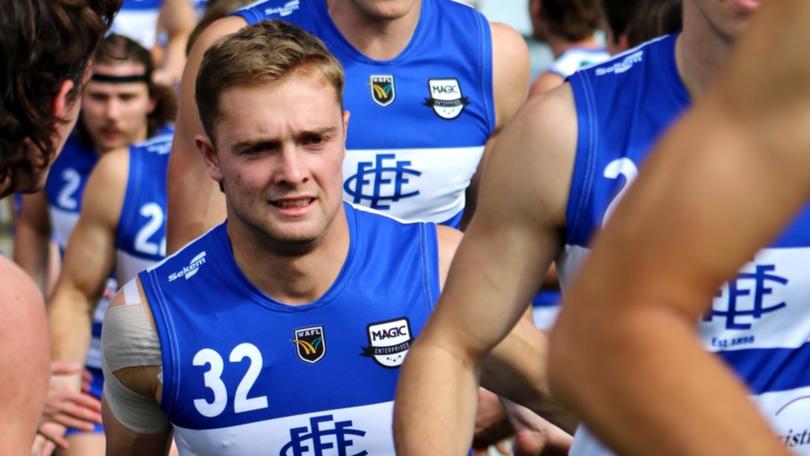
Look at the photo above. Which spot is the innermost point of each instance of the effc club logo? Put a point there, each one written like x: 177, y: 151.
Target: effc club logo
x: 389, y: 342
x: 446, y: 98
x: 382, y: 89
x: 752, y: 286
x: 312, y: 441
x: 310, y: 344
x: 384, y: 172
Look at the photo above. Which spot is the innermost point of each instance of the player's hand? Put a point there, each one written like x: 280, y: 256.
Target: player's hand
x: 491, y: 425
x: 49, y: 436
x: 534, y: 435
x: 66, y: 404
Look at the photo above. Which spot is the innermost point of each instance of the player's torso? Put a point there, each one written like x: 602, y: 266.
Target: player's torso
x: 418, y: 122
x: 141, y: 234
x: 757, y: 320
x: 137, y: 20
x: 65, y: 185
x: 245, y: 375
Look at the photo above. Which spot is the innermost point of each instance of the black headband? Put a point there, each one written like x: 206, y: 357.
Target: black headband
x: 110, y: 79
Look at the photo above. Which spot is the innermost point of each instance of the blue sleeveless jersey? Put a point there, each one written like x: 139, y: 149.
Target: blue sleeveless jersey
x: 141, y: 235
x: 137, y: 19
x: 759, y: 321
x: 64, y: 187
x: 244, y: 374
x: 418, y: 122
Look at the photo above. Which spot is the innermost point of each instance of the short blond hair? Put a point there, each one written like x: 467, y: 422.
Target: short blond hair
x: 264, y: 52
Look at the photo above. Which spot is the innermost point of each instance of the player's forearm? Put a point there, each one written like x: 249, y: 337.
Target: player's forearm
x: 434, y: 388
x: 643, y: 382
x: 70, y: 318
x: 517, y: 369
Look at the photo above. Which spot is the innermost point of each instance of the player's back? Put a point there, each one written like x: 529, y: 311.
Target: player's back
x: 141, y: 233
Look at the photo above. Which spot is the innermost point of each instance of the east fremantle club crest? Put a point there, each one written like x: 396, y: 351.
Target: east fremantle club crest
x: 389, y: 342
x: 382, y: 89
x: 446, y: 98
x: 310, y: 344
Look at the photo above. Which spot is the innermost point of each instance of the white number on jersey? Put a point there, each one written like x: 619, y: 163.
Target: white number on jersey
x: 154, y: 212
x: 213, y: 381
x: 621, y: 167
x: 67, y: 197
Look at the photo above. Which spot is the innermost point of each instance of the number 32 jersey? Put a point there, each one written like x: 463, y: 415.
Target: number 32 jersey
x: 759, y: 322
x: 244, y: 374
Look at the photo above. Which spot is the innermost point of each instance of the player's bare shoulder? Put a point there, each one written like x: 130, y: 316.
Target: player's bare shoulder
x: 531, y: 164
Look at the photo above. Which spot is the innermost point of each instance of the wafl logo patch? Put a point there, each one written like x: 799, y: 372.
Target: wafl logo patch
x: 310, y: 344
x: 382, y: 89
x: 446, y: 98
x: 389, y: 342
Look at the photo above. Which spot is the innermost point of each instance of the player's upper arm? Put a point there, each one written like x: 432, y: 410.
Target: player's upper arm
x: 132, y: 367
x: 528, y: 176
x: 510, y: 72
x: 90, y: 254
x: 194, y: 202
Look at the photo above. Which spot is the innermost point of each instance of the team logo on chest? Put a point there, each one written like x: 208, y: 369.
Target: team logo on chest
x: 310, y: 343
x: 446, y: 98
x: 382, y: 89
x: 389, y: 342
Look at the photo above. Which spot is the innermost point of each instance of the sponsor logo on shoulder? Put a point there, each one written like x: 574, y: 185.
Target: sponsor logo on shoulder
x: 446, y: 98
x: 285, y: 10
x: 189, y: 271
x: 622, y: 65
x: 382, y: 89
x: 310, y: 344
x: 389, y: 342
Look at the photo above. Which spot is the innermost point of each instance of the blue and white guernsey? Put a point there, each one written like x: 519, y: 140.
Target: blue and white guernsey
x: 138, y: 20
x: 759, y: 322
x: 419, y: 122
x: 65, y: 186
x: 244, y: 374
x: 140, y: 240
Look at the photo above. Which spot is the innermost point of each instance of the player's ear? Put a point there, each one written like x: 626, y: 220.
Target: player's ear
x: 60, y: 101
x: 206, y: 148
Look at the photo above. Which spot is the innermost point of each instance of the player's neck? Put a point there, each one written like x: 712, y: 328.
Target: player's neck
x: 375, y: 38
x: 559, y: 45
x: 292, y: 274
x: 699, y: 52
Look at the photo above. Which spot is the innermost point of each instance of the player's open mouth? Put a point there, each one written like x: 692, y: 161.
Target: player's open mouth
x: 293, y: 203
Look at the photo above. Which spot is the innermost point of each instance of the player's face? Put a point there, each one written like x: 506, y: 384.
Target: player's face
x: 115, y: 114
x: 385, y: 9
x: 728, y: 18
x: 280, y: 148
